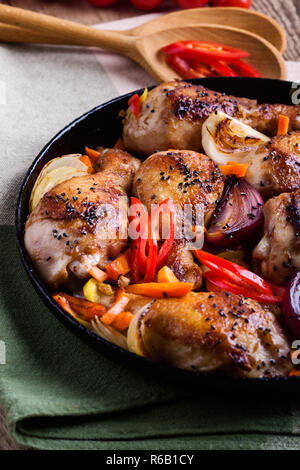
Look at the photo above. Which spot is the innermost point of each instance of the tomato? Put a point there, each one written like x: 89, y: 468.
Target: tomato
x: 146, y: 4
x: 232, y: 3
x: 191, y: 3
x: 102, y: 3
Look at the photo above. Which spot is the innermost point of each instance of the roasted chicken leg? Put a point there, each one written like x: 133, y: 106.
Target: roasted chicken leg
x: 173, y: 114
x: 277, y: 256
x: 83, y: 221
x: 208, y: 332
x: 189, y: 179
x: 273, y: 165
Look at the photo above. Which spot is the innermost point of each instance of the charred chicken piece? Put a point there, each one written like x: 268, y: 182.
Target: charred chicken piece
x: 275, y: 167
x: 277, y: 256
x: 82, y: 221
x: 189, y: 179
x: 173, y: 114
x: 209, y: 332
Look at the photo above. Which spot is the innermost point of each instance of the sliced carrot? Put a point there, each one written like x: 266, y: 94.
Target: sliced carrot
x: 119, y: 144
x: 294, y: 373
x: 123, y: 321
x: 98, y: 274
x: 283, y: 124
x: 234, y: 168
x: 93, y: 154
x: 85, y: 159
x: 120, y: 266
x: 81, y: 306
x: 160, y: 290
x: 62, y: 301
x: 165, y: 274
x: 120, y: 303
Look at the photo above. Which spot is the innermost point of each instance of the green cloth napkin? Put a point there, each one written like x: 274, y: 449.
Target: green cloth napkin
x: 60, y: 394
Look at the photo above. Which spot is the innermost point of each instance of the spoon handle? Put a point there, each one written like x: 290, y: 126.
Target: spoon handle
x: 17, y: 34
x: 45, y: 28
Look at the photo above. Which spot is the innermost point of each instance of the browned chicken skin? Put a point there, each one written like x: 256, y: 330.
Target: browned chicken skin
x: 209, y: 332
x: 277, y: 256
x: 186, y: 177
x: 173, y: 114
x: 71, y: 229
x: 275, y: 167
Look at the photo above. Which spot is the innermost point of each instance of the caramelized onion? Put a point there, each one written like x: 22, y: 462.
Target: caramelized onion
x: 225, y: 138
x: 229, y: 138
x: 237, y: 215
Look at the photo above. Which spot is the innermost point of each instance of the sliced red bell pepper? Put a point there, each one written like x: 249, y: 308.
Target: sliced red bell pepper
x: 246, y: 70
x: 197, y: 50
x: 152, y: 254
x: 165, y: 207
x: 184, y: 69
x: 134, y: 104
x: 233, y: 272
x: 145, y: 258
x: 134, y: 264
x: 221, y: 284
x: 277, y: 290
x: 139, y: 216
x: 222, y: 69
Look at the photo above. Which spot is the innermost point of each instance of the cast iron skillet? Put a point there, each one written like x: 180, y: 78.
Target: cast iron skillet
x: 102, y: 126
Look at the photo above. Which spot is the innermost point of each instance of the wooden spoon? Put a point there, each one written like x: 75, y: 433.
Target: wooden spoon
x: 241, y: 18
x: 145, y: 49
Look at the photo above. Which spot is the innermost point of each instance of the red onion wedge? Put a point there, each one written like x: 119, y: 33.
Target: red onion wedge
x: 291, y: 305
x: 237, y: 215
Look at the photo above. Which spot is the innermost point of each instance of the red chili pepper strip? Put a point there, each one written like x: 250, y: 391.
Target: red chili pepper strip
x: 227, y: 286
x: 233, y: 272
x: 246, y: 70
x: 198, y: 50
x: 220, y: 67
x: 184, y: 69
x: 145, y: 259
x: 134, y: 265
x: 152, y: 254
x: 134, y: 104
x: 277, y: 290
x: 139, y: 217
x: 168, y: 242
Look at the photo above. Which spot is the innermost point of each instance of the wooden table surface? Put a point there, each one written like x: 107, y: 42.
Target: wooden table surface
x: 83, y: 12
